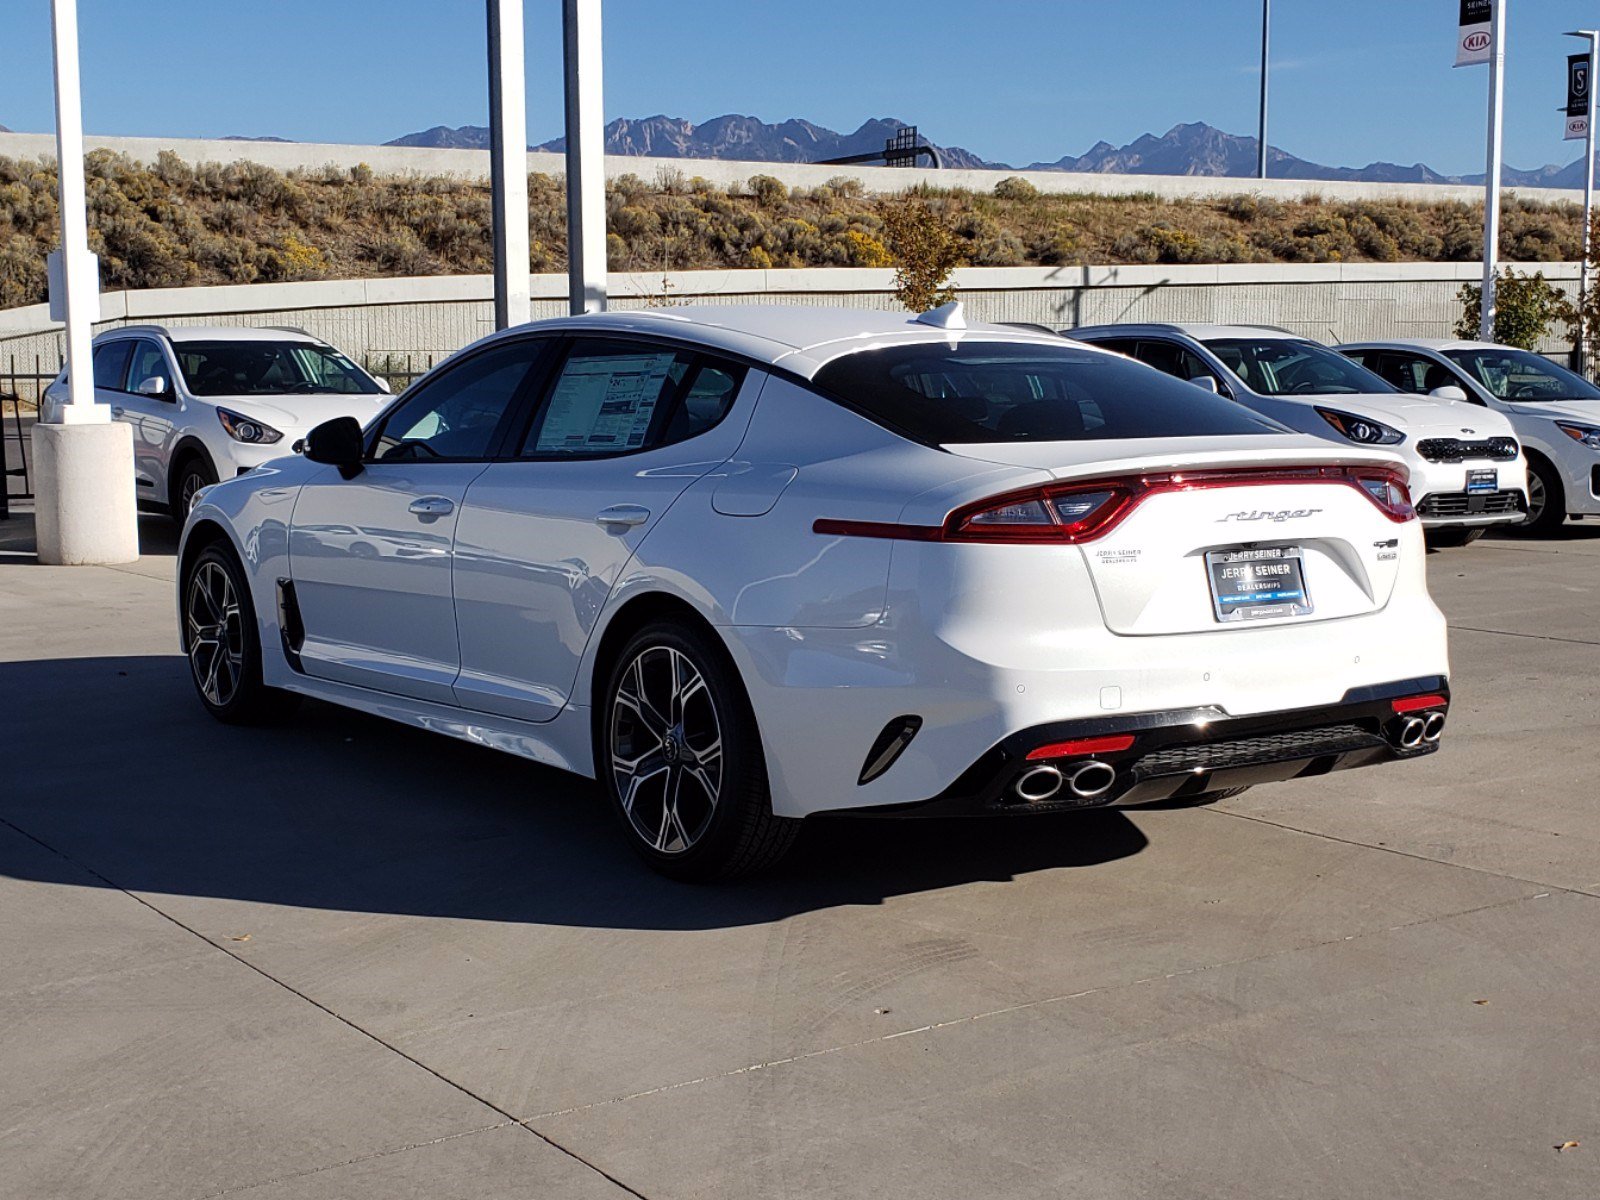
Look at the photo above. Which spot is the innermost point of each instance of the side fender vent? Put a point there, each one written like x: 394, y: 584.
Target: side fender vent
x: 290, y: 627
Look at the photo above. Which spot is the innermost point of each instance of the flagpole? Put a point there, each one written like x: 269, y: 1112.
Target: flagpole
x: 1491, y: 180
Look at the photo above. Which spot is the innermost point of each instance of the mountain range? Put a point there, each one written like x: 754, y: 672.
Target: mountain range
x: 1190, y: 149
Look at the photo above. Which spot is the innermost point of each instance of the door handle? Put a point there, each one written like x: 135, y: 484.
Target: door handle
x: 622, y: 514
x: 432, y: 506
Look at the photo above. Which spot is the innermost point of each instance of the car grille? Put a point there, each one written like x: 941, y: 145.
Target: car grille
x: 1460, y: 504
x: 1451, y: 450
x: 1249, y: 752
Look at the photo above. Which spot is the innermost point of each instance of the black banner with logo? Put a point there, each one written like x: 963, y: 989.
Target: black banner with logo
x: 1475, y: 37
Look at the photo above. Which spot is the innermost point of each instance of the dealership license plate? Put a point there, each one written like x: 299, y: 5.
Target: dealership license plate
x: 1480, y: 482
x: 1258, y: 584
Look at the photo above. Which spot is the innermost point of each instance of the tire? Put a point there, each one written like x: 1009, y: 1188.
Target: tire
x: 1453, y: 535
x: 194, y: 474
x: 679, y: 755
x: 1547, y: 500
x: 222, y: 642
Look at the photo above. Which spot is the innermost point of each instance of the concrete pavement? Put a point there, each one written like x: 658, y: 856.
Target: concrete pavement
x: 343, y: 959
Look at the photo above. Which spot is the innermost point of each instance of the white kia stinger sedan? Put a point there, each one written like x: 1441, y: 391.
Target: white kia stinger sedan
x: 747, y: 564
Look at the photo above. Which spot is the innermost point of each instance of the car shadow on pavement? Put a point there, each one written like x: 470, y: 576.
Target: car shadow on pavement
x: 114, y: 765
x: 158, y: 535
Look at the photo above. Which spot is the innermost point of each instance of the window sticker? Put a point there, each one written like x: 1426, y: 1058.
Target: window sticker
x: 604, y: 403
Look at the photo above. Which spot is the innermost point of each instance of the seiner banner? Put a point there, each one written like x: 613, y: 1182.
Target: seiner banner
x: 1577, y: 97
x: 1474, y: 41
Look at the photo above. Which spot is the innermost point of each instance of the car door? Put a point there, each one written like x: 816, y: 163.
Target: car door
x: 152, y: 413
x: 370, y: 556
x: 622, y: 428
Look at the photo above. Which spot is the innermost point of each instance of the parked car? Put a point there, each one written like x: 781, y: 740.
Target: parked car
x: 748, y: 564
x: 207, y: 403
x: 1467, y: 468
x: 1554, y: 412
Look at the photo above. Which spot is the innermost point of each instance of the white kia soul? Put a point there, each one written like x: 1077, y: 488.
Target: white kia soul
x: 1467, y: 467
x: 209, y: 403
x: 746, y: 564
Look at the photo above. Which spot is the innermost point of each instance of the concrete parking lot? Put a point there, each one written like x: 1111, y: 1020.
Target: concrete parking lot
x: 344, y: 959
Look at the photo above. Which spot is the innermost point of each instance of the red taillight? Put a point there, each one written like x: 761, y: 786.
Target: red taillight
x: 1073, y: 749
x: 1417, y: 703
x: 1083, y: 511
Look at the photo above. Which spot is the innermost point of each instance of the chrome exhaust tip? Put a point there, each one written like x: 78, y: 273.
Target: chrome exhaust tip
x: 1092, y: 780
x: 1038, y: 785
x: 1433, y: 727
x: 1411, y: 733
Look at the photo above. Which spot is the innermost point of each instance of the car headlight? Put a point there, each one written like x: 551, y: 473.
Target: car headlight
x: 1587, y: 434
x: 1361, y: 429
x: 247, y: 429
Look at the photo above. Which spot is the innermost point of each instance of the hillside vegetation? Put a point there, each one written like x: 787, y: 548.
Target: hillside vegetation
x: 173, y: 225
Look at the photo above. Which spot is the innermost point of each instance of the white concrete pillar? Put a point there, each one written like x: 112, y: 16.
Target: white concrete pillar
x: 84, y: 512
x: 85, y: 508
x: 586, y: 164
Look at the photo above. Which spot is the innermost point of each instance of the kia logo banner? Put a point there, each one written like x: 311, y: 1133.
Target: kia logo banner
x: 1474, y: 42
x: 1577, y: 115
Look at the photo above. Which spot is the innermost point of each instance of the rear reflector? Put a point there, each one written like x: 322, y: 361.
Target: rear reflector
x: 1095, y: 745
x: 1083, y: 511
x: 1416, y: 703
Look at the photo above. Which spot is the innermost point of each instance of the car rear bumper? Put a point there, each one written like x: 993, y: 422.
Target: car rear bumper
x: 1185, y: 753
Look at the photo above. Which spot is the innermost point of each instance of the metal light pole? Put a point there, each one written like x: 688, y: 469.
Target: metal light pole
x: 586, y: 164
x: 1593, y: 37
x: 508, y: 162
x: 1491, y: 180
x: 1266, y: 43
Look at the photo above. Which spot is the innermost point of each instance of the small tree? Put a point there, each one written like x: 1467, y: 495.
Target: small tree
x: 1524, y: 308
x: 925, y: 252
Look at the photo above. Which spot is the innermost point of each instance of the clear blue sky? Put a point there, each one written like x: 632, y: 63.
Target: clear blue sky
x: 1016, y: 80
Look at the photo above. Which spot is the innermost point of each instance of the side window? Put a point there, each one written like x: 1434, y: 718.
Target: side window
x: 705, y: 402
x: 1403, y: 370
x: 456, y: 415
x: 1175, y: 360
x: 147, y: 363
x: 1118, y: 345
x: 111, y: 364
x: 618, y: 397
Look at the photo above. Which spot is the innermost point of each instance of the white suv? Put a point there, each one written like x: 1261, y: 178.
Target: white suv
x: 208, y: 403
x: 1467, y: 467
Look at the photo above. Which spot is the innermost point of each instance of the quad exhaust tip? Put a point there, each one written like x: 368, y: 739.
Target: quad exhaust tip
x: 1433, y: 727
x: 1414, y: 731
x: 1086, y: 781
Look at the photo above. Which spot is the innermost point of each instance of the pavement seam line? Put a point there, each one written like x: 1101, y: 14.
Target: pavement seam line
x: 1411, y: 854
x: 1032, y: 1004
x: 510, y: 1119
x: 1539, y: 637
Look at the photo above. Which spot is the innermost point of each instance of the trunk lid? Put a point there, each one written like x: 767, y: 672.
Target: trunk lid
x: 1181, y: 558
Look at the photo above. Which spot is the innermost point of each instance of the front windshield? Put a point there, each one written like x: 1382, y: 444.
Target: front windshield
x: 269, y: 369
x: 1519, y: 375
x: 1295, y: 367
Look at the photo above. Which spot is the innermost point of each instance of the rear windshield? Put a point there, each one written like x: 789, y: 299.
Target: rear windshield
x: 249, y: 368
x: 977, y: 392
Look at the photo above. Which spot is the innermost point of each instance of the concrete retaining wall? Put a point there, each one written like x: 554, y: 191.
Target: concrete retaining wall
x: 416, y: 320
x: 388, y: 160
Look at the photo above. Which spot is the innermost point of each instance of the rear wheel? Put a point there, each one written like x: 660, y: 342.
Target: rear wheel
x: 221, y: 642
x: 1453, y: 535
x: 1547, y: 499
x: 679, y: 755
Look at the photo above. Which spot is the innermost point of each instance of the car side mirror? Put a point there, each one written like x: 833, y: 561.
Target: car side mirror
x: 1206, y: 384
x: 338, y: 443
x: 155, y: 386
x: 383, y: 384
x: 1448, y: 392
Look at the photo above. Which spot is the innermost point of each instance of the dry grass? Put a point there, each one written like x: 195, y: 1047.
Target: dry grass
x: 172, y: 225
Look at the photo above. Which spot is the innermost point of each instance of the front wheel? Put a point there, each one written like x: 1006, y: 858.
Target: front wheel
x: 221, y: 642
x: 679, y: 755
x: 1453, y: 535
x: 1547, y: 500
x: 195, y: 474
